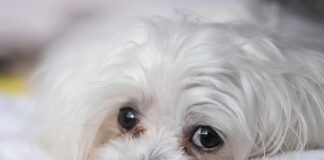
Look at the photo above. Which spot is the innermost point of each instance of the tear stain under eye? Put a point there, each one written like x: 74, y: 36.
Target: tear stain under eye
x: 106, y: 133
x: 108, y: 130
x: 195, y: 154
x: 185, y: 141
x: 138, y: 131
x: 185, y: 145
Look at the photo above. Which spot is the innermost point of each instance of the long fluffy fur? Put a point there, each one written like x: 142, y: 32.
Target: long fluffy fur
x: 264, y: 93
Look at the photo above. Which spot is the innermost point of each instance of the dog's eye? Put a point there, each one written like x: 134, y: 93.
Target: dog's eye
x: 127, y: 118
x: 206, y: 137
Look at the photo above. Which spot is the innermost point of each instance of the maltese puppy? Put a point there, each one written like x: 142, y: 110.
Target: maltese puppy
x: 196, y: 83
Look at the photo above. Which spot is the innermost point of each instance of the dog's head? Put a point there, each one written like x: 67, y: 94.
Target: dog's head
x: 170, y: 90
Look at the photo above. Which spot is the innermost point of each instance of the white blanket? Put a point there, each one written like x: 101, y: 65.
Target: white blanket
x: 15, y: 145
x: 14, y: 142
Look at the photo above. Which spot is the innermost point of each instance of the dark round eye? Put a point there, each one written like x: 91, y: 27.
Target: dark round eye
x: 127, y: 118
x: 206, y: 137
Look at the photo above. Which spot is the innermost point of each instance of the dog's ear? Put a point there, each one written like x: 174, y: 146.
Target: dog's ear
x: 275, y: 79
x: 67, y: 99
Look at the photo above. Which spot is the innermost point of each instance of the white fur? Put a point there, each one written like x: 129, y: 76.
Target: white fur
x: 262, y: 91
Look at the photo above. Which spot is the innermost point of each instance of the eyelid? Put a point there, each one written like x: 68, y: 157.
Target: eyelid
x: 131, y: 104
x: 126, y: 108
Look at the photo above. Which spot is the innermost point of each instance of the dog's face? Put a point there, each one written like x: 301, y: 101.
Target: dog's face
x: 172, y: 91
x: 166, y: 115
x: 172, y: 102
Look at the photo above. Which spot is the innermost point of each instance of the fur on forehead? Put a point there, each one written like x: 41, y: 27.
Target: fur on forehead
x: 184, y: 67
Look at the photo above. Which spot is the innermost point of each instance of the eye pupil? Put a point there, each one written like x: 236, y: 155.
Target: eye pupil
x: 206, y: 137
x: 127, y: 118
x: 209, y: 138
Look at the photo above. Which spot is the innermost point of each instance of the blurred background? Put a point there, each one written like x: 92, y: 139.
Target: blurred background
x: 27, y: 27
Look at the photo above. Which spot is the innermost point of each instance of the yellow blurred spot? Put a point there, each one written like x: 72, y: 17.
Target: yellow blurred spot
x: 13, y: 85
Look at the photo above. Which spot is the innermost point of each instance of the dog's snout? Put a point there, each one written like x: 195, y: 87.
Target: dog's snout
x: 151, y: 157
x: 155, y: 153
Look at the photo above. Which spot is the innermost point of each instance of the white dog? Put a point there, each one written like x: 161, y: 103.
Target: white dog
x: 177, y: 86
